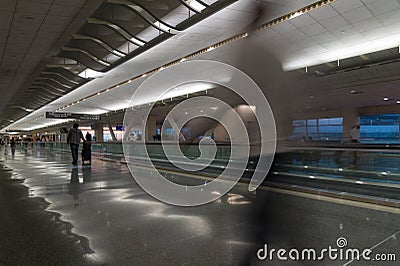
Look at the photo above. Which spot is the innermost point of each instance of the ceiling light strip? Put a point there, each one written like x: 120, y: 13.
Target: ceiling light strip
x: 271, y: 23
x: 61, y: 76
x: 100, y: 42
x: 188, y: 6
x: 43, y: 88
x: 22, y: 108
x: 65, y: 67
x: 294, y: 14
x: 41, y: 97
x: 47, y: 84
x: 201, y: 2
x: 90, y: 55
x: 56, y: 81
x: 147, y: 16
x: 197, y: 53
x: 118, y: 29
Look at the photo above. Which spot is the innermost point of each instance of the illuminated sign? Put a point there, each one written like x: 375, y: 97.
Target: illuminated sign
x: 57, y: 115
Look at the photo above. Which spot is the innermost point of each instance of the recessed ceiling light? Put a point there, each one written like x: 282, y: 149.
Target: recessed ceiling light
x: 28, y: 17
x: 398, y: 102
x: 386, y: 99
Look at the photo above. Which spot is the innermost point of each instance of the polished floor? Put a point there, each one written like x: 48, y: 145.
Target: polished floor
x: 54, y: 213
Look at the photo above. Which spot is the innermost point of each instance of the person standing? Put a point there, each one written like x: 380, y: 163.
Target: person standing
x: 87, y: 149
x: 73, y: 139
x: 355, y: 134
x: 88, y: 136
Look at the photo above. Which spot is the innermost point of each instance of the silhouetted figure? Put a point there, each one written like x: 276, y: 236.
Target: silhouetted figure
x: 87, y: 149
x: 73, y: 139
x: 355, y: 138
x: 355, y: 134
x: 88, y: 136
x: 12, y: 145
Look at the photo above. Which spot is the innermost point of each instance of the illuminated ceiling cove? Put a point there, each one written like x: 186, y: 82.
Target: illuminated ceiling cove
x: 108, y: 51
x: 116, y: 32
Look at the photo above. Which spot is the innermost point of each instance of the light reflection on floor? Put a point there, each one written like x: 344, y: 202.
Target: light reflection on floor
x: 124, y: 225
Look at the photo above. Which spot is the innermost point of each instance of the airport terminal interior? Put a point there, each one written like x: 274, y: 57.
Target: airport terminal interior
x: 200, y: 132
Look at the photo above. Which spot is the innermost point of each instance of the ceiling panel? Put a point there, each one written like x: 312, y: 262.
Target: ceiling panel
x: 347, y: 5
x: 32, y: 7
x: 63, y: 11
x: 345, y: 24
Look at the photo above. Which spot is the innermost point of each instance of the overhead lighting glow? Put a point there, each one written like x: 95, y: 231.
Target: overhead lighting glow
x: 90, y: 73
x: 163, y: 27
x: 118, y: 53
x: 386, y: 99
x: 187, y: 89
x: 195, y: 5
x: 355, y: 48
x: 295, y: 15
x: 138, y: 42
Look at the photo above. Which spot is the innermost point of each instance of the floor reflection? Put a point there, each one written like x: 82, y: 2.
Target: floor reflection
x: 125, y: 225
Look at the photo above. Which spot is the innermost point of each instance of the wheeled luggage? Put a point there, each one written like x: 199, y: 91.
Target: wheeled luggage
x: 86, y: 153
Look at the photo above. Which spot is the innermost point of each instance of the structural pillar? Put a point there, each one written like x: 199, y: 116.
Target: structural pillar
x: 99, y: 132
x: 351, y: 117
x: 63, y: 137
x: 114, y: 138
x: 151, y: 127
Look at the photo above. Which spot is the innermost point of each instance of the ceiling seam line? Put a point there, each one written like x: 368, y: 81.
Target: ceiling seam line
x: 9, y: 31
x: 74, y: 17
x: 36, y: 33
x: 30, y: 45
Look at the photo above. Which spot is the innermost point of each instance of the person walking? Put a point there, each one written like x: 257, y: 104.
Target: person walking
x: 73, y: 139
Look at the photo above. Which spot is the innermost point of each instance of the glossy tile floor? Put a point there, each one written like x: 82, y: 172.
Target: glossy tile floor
x: 54, y: 213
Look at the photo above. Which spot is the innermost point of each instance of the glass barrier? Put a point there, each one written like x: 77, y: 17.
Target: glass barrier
x: 369, y: 170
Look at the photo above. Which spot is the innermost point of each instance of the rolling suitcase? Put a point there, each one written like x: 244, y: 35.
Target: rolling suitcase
x: 86, y: 153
